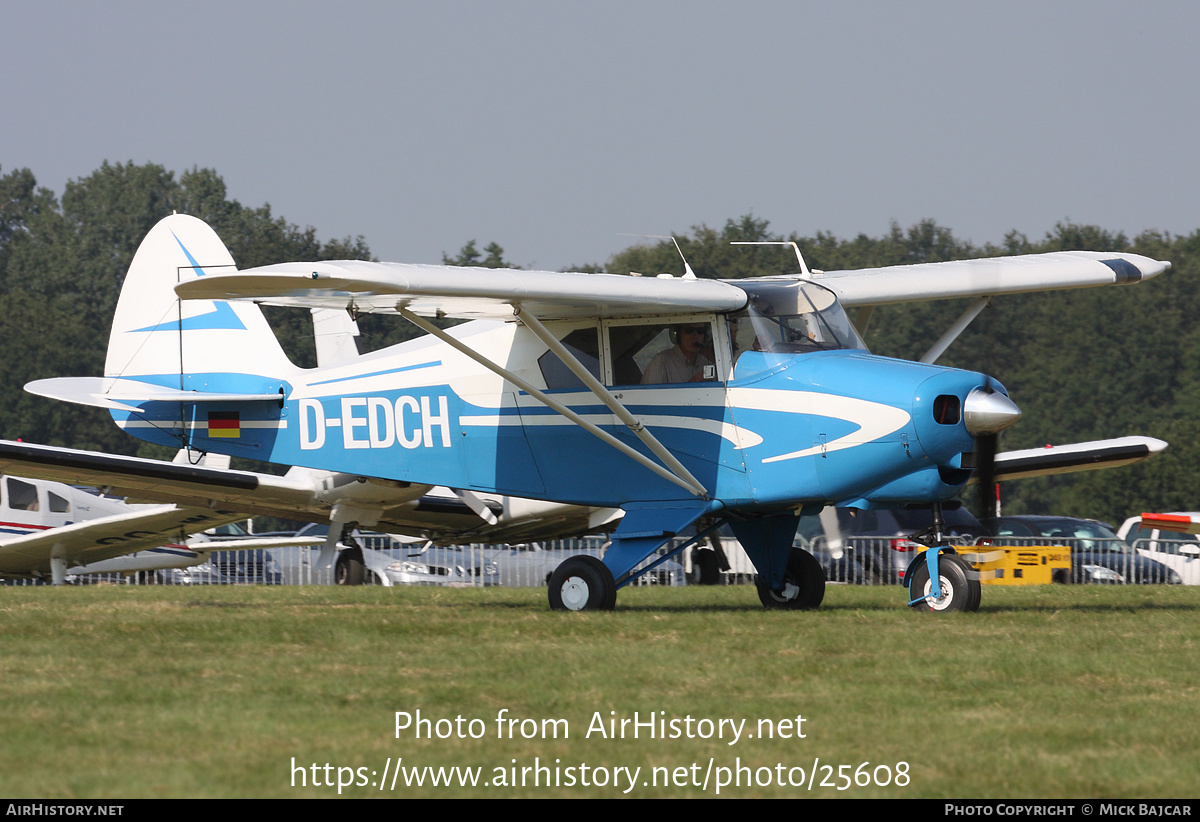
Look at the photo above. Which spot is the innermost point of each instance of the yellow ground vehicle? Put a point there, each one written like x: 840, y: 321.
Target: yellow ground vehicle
x: 1018, y: 564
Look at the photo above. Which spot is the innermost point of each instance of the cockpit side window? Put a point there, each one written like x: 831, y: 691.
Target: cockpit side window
x: 662, y: 353
x: 21, y: 495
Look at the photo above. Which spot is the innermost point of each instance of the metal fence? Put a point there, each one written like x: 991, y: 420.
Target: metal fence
x: 388, y: 561
x: 858, y: 561
x: 883, y: 561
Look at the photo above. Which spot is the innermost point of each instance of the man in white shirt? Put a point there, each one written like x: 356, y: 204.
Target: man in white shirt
x: 682, y: 362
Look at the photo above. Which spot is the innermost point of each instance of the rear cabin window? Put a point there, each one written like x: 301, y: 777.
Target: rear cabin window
x: 584, y: 345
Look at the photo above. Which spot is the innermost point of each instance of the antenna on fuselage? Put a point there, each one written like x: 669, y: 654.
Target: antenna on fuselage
x: 688, y: 274
x: 804, y: 269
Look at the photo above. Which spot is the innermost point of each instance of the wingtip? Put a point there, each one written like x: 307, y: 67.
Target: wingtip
x: 1159, y: 267
x: 1155, y: 445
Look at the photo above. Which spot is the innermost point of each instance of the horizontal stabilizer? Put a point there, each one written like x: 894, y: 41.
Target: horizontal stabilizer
x: 106, y: 392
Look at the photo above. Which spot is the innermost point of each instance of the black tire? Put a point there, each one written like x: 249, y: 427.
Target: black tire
x: 350, y: 569
x: 706, y: 567
x: 582, y: 583
x: 804, y: 584
x: 959, y: 591
x: 974, y: 586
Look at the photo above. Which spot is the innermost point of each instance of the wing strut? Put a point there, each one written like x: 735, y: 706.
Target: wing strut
x: 959, y: 326
x: 693, y: 486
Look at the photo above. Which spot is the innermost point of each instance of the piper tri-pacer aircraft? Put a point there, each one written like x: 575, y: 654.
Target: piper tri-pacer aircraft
x: 587, y: 389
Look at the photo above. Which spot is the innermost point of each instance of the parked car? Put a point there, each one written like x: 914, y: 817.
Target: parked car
x: 253, y: 566
x: 428, y: 564
x: 385, y: 560
x: 1178, y: 551
x: 203, y: 574
x: 1098, y: 555
x: 879, y: 544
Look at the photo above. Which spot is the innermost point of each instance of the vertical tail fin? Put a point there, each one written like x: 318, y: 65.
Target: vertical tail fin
x: 158, y: 338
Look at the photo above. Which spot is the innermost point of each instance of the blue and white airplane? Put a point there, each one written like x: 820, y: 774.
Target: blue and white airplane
x: 687, y: 403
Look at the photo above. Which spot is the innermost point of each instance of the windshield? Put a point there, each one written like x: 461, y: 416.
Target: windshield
x: 786, y: 318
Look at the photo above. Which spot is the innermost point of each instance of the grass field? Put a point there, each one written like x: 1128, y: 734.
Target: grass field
x: 118, y: 692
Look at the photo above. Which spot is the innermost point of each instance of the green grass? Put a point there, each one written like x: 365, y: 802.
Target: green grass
x: 117, y: 692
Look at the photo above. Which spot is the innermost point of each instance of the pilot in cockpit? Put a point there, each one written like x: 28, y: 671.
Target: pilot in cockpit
x: 685, y: 360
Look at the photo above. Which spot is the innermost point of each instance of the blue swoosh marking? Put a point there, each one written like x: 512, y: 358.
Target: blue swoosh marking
x: 222, y: 317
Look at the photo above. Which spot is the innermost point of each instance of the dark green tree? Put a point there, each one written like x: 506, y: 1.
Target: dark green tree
x: 469, y: 255
x: 61, y: 269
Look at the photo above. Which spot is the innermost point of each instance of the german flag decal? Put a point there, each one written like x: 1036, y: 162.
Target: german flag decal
x: 224, y: 424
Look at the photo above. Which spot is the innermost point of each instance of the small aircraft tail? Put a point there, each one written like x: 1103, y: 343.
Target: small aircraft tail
x: 180, y: 372
x: 158, y: 338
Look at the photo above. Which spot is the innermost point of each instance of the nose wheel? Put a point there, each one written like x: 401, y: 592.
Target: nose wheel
x: 582, y: 583
x: 959, y: 590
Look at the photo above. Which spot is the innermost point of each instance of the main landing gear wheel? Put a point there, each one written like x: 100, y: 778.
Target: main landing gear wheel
x: 350, y: 569
x: 582, y: 584
x: 803, y: 584
x: 960, y: 591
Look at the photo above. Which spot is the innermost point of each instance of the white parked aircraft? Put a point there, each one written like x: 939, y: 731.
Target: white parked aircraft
x: 50, y: 530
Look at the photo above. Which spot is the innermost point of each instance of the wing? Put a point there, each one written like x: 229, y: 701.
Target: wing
x: 988, y: 276
x: 296, y: 496
x: 435, y: 290
x: 93, y: 540
x: 431, y: 290
x: 1081, y: 456
x: 157, y: 481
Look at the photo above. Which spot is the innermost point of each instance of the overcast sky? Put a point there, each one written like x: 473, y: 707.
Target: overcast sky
x: 554, y: 127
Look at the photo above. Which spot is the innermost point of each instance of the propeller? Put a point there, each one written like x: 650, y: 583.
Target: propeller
x: 985, y: 472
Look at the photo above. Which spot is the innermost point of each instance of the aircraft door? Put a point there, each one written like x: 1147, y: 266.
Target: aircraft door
x: 670, y: 372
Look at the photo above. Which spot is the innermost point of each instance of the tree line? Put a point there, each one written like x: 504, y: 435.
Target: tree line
x: 1082, y: 364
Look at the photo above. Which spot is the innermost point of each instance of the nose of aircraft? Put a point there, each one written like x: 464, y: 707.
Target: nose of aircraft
x: 988, y: 412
